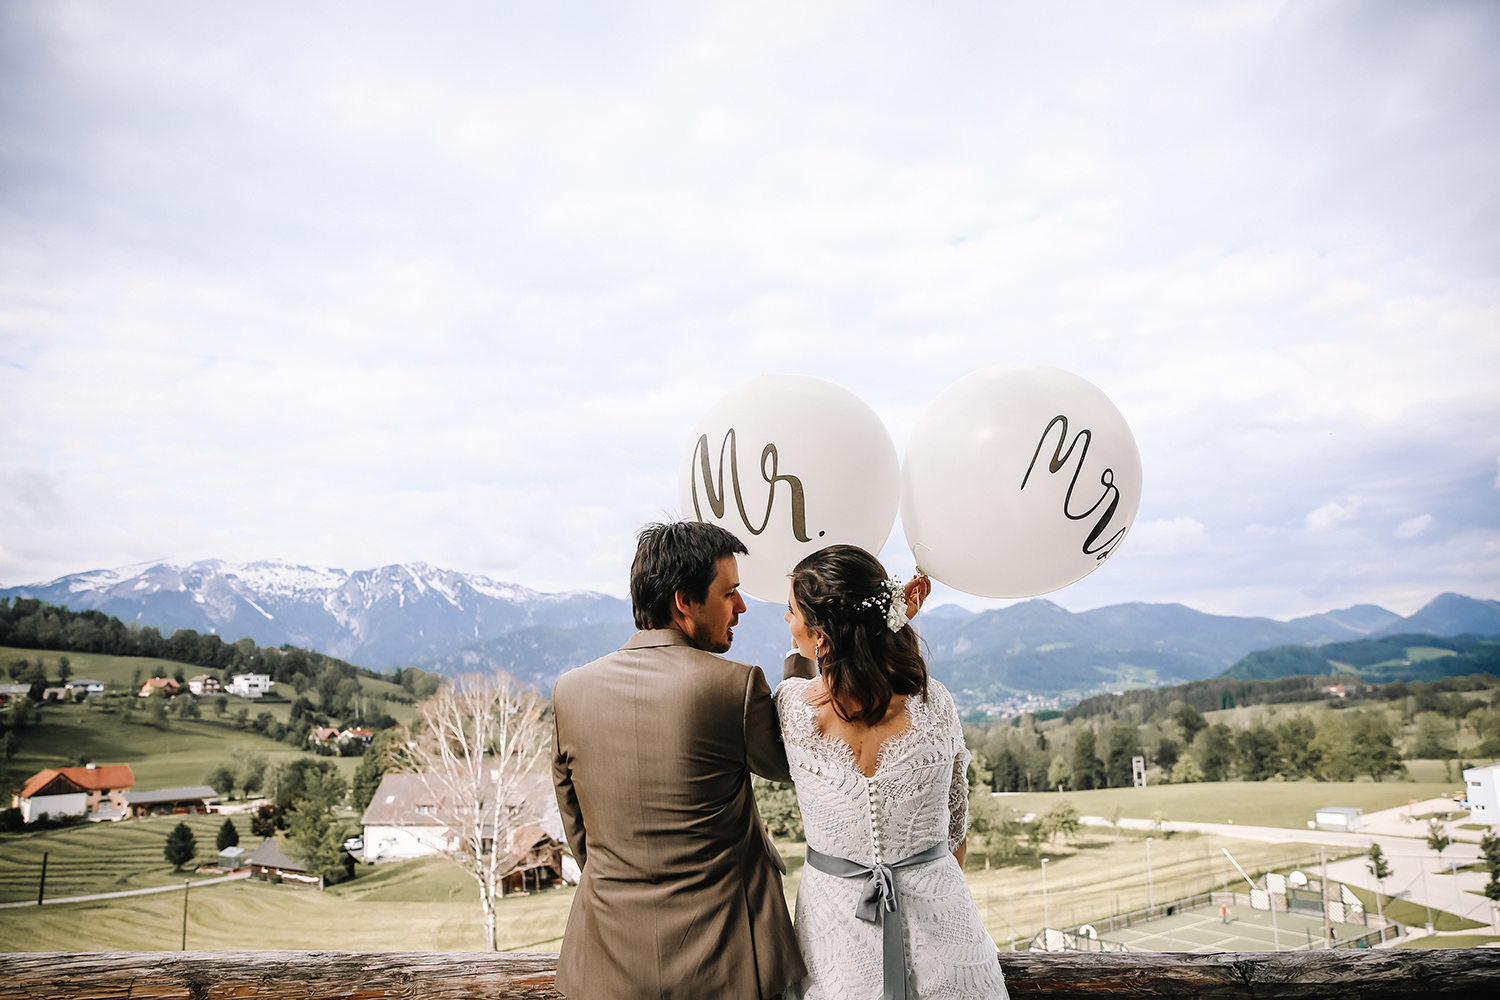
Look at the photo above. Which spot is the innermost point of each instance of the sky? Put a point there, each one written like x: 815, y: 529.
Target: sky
x: 351, y: 284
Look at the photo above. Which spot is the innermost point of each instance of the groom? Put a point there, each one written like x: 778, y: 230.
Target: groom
x: 652, y: 751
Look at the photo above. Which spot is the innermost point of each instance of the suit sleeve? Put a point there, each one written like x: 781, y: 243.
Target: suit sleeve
x: 797, y: 665
x: 764, y: 753
x: 567, y: 797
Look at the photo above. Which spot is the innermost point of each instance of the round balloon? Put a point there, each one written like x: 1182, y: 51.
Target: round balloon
x: 789, y: 464
x: 1018, y: 480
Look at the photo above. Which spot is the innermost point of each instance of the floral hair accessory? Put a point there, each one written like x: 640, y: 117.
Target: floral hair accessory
x: 891, y: 599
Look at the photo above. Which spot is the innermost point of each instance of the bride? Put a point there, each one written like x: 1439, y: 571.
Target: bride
x: 877, y: 754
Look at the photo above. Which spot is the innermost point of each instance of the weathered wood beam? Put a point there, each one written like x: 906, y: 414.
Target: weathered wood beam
x: 303, y: 975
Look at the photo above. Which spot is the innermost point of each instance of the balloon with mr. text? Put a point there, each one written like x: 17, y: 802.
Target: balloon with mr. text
x: 1018, y: 480
x: 790, y: 464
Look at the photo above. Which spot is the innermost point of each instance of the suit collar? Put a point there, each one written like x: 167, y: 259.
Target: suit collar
x: 657, y: 637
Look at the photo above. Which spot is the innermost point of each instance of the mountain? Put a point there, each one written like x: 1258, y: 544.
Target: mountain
x: 1451, y: 614
x: 396, y: 614
x: 1408, y: 656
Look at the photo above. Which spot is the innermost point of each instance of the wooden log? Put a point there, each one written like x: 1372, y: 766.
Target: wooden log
x: 303, y: 975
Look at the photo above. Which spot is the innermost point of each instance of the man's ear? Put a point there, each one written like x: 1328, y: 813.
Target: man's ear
x: 682, y: 605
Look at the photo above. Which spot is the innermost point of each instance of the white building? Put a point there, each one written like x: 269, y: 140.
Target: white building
x: 1483, y: 794
x: 95, y: 791
x: 1345, y: 819
x: 408, y: 818
x: 86, y: 685
x: 204, y: 684
x: 250, y: 685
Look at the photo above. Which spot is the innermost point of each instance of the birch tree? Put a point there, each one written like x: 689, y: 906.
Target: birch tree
x: 479, y: 747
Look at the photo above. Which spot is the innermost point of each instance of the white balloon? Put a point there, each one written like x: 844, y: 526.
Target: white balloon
x: 790, y: 464
x: 1018, y: 480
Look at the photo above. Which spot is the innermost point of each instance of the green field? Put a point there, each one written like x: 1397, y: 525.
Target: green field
x: 1452, y: 941
x: 171, y: 758
x: 117, y: 672
x: 1256, y: 803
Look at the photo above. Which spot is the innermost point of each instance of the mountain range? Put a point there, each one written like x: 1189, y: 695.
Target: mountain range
x: 456, y: 623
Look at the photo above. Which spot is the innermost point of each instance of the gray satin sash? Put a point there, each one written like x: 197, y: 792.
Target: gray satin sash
x: 879, y: 903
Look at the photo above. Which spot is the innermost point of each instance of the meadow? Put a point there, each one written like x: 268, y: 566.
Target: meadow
x: 1288, y: 804
x: 174, y: 757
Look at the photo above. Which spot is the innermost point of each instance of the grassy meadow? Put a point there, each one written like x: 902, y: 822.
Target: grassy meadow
x: 1253, y: 803
x: 161, y: 758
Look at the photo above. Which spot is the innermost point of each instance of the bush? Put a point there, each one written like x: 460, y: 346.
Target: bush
x: 181, y: 847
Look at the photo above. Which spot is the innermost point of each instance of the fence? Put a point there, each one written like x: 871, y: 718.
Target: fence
x: 1388, y: 974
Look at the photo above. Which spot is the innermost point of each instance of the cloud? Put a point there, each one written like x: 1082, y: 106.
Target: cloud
x: 1164, y: 537
x: 1412, y: 527
x: 1328, y: 515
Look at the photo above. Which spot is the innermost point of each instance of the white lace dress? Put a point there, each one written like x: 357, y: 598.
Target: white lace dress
x: 918, y: 797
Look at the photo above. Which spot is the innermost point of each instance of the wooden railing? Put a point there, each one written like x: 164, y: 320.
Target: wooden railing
x: 304, y: 975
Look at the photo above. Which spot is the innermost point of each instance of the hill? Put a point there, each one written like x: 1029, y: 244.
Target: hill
x: 1401, y: 657
x: 1450, y: 614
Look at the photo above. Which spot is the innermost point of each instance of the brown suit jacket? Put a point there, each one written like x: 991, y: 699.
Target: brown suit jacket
x: 681, y: 890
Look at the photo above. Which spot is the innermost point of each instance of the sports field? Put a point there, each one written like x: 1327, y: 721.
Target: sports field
x: 1203, y: 930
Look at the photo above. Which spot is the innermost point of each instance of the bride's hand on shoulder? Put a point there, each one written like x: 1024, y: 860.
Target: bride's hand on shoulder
x: 917, y: 590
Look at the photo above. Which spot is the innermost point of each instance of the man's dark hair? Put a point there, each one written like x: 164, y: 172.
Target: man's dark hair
x: 672, y: 557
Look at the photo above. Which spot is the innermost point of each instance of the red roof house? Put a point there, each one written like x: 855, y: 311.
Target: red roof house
x: 165, y: 685
x: 93, y: 791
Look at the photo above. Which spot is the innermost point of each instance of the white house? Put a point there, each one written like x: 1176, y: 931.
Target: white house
x: 1345, y: 819
x: 87, y: 685
x: 250, y: 685
x: 406, y: 820
x: 1483, y: 794
x: 204, y: 684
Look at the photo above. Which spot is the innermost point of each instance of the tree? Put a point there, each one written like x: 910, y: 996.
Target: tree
x: 1435, y: 737
x: 252, y: 774
x: 777, y: 802
x: 228, y: 835
x: 1061, y: 818
x: 372, y: 767
x: 1189, y: 720
x: 64, y: 669
x: 182, y: 846
x: 1257, y: 751
x: 1489, y: 845
x: 1294, y: 738
x: 221, y: 778
x: 310, y: 824
x: 1088, y: 769
x: 221, y: 704
x: 266, y: 820
x: 1372, y: 745
x: 1381, y: 871
x: 477, y: 746
x: 1437, y: 837
x: 1124, y: 746
x: 1215, y: 751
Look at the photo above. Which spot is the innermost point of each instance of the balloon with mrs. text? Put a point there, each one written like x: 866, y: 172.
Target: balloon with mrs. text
x: 790, y: 464
x: 1018, y: 480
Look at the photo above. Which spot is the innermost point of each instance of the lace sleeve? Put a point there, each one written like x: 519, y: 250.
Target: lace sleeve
x: 958, y: 801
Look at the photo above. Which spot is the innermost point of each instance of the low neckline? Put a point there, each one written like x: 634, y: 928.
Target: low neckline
x: 842, y: 745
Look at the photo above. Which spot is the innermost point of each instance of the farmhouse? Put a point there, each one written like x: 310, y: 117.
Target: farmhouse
x: 166, y: 685
x: 250, y: 685
x: 323, y: 736
x: 408, y: 818
x: 172, y: 801
x: 9, y: 691
x: 268, y: 864
x: 87, y: 685
x: 92, y: 791
x: 204, y: 684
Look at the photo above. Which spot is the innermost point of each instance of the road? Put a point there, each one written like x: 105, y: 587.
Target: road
x: 128, y: 892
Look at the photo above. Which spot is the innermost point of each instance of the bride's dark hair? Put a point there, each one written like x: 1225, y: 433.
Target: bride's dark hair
x: 842, y: 591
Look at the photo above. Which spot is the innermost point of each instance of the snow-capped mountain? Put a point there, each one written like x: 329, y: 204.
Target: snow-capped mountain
x: 397, y: 614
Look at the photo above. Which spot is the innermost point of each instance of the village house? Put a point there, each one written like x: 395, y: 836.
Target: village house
x: 406, y: 820
x: 95, y: 791
x: 9, y: 691
x: 166, y: 685
x: 250, y: 685
x: 358, y: 734
x: 194, y: 801
x: 204, y: 684
x: 323, y: 736
x: 267, y: 863
x: 87, y: 685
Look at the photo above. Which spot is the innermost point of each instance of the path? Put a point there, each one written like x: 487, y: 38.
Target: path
x: 128, y: 892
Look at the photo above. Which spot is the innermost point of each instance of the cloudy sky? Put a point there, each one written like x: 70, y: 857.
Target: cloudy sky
x: 352, y: 284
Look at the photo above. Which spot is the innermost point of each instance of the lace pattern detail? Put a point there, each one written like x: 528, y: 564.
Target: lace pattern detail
x: 917, y: 797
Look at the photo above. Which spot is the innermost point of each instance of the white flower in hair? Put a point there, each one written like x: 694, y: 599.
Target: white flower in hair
x: 892, y: 597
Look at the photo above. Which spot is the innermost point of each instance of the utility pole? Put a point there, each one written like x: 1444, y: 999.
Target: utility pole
x: 185, y: 884
x: 41, y: 886
x: 1046, y: 913
x: 1323, y: 857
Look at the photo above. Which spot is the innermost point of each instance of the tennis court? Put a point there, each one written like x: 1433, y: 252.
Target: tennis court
x: 1247, y: 930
